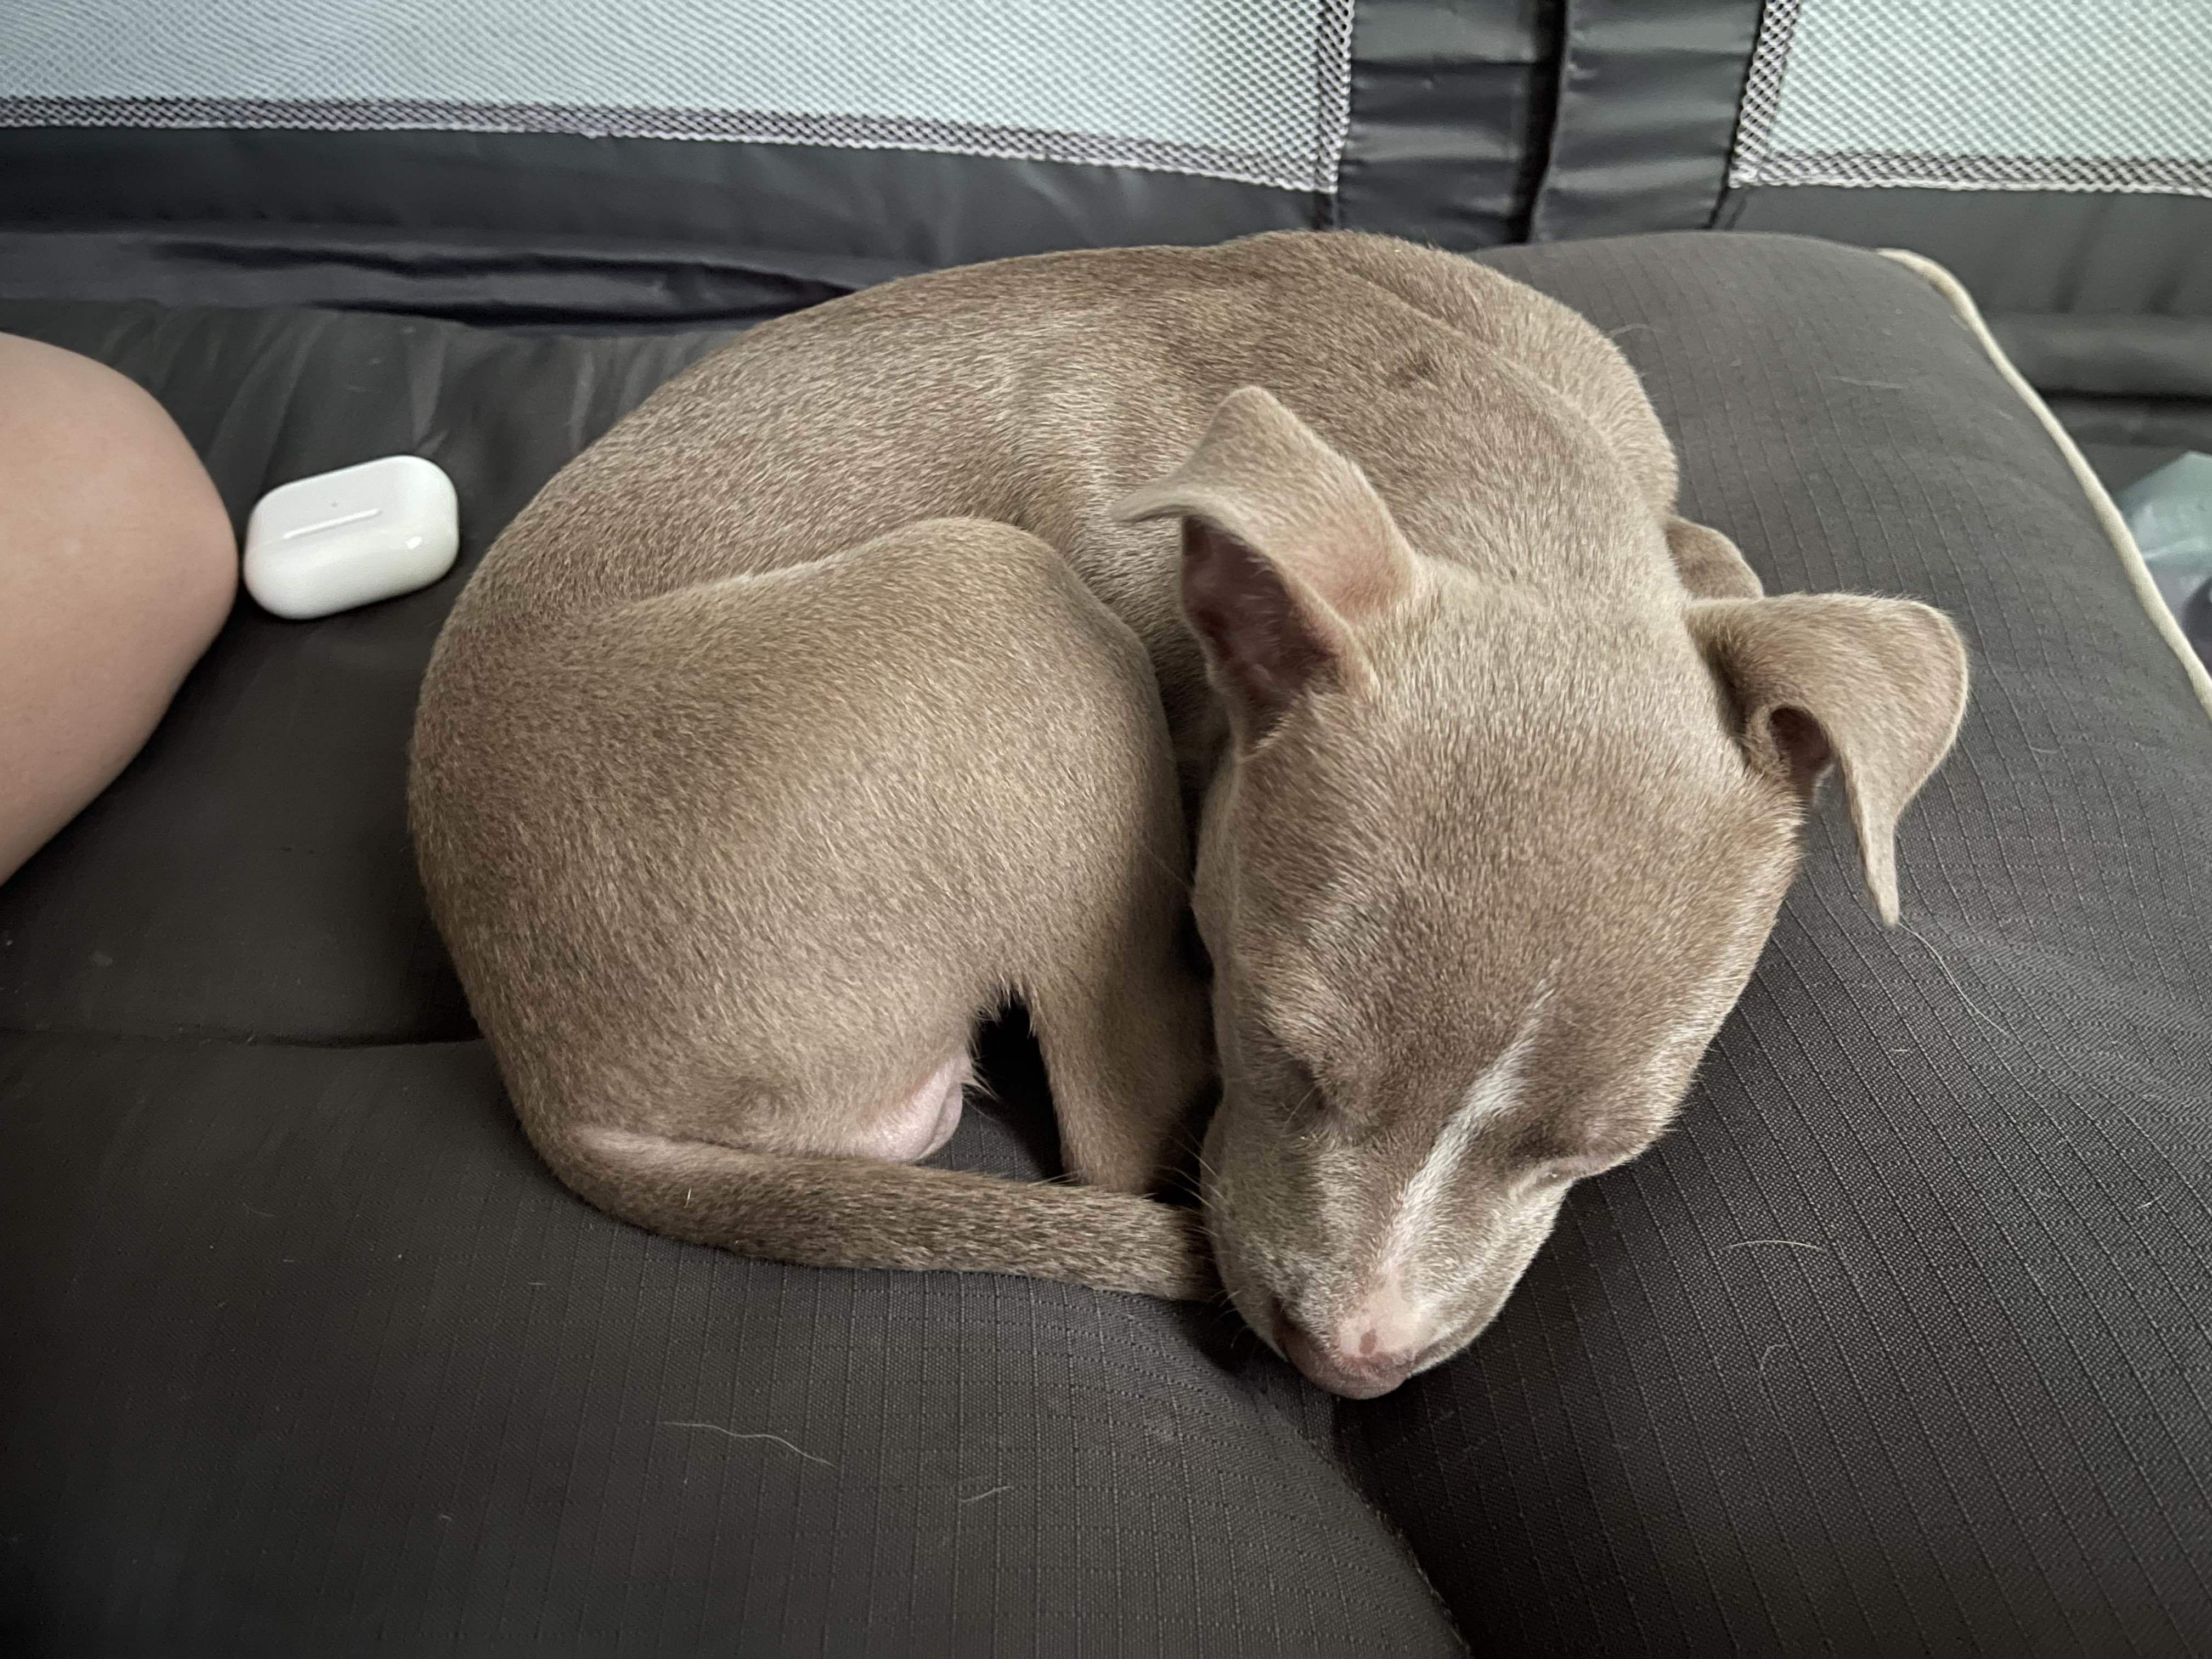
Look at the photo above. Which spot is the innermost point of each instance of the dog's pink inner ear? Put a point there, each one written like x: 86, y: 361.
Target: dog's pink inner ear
x: 1286, y: 549
x: 1269, y: 640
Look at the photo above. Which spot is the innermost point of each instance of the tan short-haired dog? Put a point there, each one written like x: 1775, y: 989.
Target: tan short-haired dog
x: 773, y: 746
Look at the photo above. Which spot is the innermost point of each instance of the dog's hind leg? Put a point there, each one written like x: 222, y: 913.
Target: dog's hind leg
x: 1130, y: 1063
x: 731, y: 872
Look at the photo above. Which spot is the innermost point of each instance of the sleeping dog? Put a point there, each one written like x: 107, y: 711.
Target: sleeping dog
x: 937, y: 646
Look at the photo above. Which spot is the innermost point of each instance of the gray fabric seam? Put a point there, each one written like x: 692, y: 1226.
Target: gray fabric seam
x: 1315, y: 170
x: 1923, y: 170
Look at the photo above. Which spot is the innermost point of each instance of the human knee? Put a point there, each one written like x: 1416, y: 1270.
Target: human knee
x: 105, y: 486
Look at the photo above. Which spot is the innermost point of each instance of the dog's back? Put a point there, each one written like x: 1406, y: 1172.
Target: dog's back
x: 1036, y: 391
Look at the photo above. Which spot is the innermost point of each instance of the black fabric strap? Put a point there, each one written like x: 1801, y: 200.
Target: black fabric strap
x: 1646, y: 116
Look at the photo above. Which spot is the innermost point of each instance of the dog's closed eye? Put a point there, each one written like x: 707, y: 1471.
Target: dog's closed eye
x: 1550, y: 1153
x: 1288, y: 1083
x: 1304, y: 1100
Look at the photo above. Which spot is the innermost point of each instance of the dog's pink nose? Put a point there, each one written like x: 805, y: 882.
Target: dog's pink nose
x: 1360, y: 1368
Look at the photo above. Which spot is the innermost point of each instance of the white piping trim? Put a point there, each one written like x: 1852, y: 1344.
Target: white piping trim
x: 2100, y: 500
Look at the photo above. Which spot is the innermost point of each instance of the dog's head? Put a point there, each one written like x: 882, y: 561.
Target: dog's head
x: 1488, y: 865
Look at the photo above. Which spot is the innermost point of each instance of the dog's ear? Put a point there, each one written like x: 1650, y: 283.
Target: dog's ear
x: 1286, y: 549
x: 1875, y: 687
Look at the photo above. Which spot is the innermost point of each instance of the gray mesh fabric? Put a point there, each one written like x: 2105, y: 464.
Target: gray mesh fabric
x: 1254, y: 90
x: 1981, y: 94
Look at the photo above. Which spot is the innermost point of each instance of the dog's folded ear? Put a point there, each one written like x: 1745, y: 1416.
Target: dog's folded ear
x: 1286, y: 549
x: 1875, y: 687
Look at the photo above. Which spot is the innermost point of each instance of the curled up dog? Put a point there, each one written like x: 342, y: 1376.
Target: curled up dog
x: 903, y: 659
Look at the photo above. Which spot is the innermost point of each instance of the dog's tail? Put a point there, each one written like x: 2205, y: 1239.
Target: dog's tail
x: 829, y: 1212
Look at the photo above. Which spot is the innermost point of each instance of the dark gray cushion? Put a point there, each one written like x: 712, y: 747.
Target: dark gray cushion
x: 1897, y: 1344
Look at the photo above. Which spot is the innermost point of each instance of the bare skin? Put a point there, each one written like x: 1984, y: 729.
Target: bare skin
x: 118, y: 564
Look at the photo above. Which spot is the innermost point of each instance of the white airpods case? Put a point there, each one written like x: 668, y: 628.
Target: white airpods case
x: 352, y: 537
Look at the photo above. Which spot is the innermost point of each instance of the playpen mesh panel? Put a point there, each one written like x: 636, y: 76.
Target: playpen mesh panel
x: 1981, y: 94
x: 1255, y: 90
